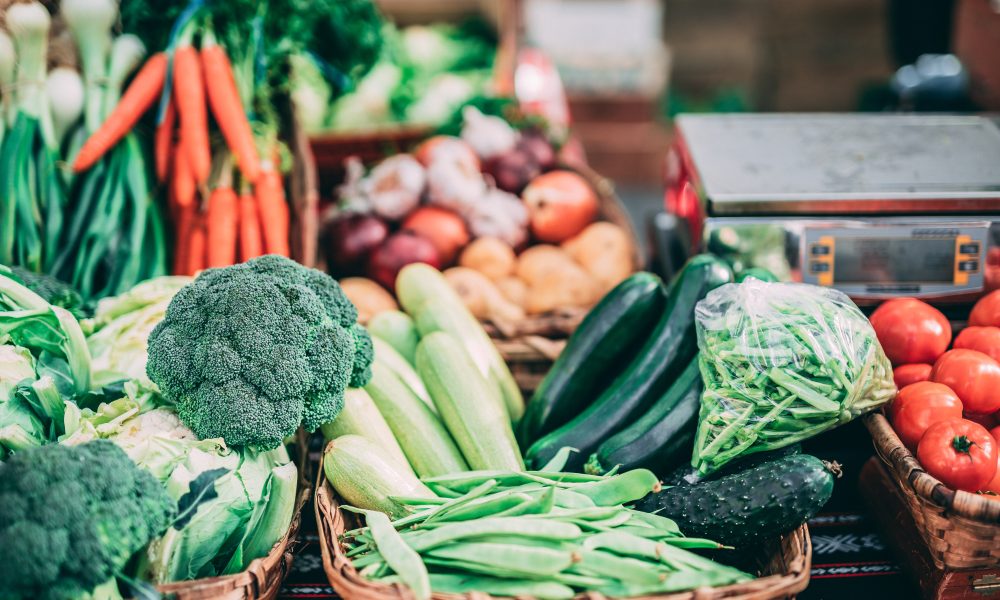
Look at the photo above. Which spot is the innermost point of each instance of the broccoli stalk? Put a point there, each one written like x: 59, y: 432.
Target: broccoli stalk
x: 250, y: 352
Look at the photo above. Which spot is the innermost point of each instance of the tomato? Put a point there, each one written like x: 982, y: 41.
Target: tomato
x: 986, y: 312
x: 983, y: 339
x: 987, y: 420
x: 560, y: 204
x: 920, y: 405
x: 441, y: 227
x: 960, y: 453
x: 974, y: 376
x: 995, y: 432
x: 904, y: 375
x: 911, y: 331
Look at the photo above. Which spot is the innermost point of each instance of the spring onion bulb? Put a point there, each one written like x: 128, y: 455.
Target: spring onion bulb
x: 29, y: 26
x: 90, y: 22
x: 8, y: 62
x: 64, y: 88
x: 127, y: 52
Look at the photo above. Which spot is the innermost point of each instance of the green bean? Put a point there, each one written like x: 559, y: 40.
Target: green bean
x: 610, y: 565
x: 398, y: 556
x: 456, y: 504
x: 609, y: 523
x: 408, y: 501
x: 570, y: 499
x: 624, y: 488
x: 512, y: 558
x: 485, y: 507
x: 558, y: 462
x: 516, y: 526
x: 454, y: 583
x: 463, y: 482
x: 595, y: 513
x: 656, y: 521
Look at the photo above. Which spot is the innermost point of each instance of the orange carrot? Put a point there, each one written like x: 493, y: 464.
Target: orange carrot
x: 273, y: 211
x: 183, y: 223
x: 164, y: 142
x: 222, y: 225
x: 183, y: 180
x: 251, y: 246
x: 224, y: 100
x: 189, y: 91
x: 140, y: 95
x: 196, y: 245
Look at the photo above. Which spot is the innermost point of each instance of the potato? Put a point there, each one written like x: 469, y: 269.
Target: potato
x: 368, y: 296
x: 481, y: 296
x: 513, y: 289
x: 538, y: 263
x: 570, y: 286
x: 602, y: 249
x: 490, y: 256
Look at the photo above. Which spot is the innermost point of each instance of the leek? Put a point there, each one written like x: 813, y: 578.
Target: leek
x: 65, y: 92
x: 90, y: 23
x: 8, y: 60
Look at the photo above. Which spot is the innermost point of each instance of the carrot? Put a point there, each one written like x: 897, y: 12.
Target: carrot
x: 164, y: 142
x: 224, y: 100
x: 251, y: 246
x: 196, y: 245
x: 184, y: 222
x: 140, y: 95
x: 222, y: 225
x: 183, y: 180
x: 273, y: 211
x: 189, y: 91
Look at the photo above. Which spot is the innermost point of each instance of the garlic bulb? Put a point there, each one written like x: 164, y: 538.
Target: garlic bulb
x: 488, y: 136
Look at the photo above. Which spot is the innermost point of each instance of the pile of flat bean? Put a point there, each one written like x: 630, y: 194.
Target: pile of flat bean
x: 544, y: 534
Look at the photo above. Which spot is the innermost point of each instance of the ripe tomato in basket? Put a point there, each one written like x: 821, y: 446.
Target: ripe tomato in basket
x: 920, y: 405
x: 974, y: 376
x: 986, y: 312
x: 983, y: 339
x: 904, y: 375
x: 960, y: 453
x: 911, y: 331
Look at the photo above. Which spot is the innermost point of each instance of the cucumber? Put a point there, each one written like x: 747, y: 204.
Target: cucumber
x: 752, y: 505
x: 366, y: 477
x: 426, y: 443
x: 661, y: 438
x: 398, y: 329
x: 425, y: 294
x: 463, y: 398
x: 669, y: 349
x: 688, y: 475
x: 603, y: 344
x: 403, y: 369
x: 361, y: 417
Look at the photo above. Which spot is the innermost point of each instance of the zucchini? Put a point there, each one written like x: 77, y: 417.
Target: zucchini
x: 749, y: 506
x: 661, y: 438
x: 425, y: 294
x: 422, y: 436
x: 398, y: 329
x: 366, y: 477
x: 403, y: 369
x: 603, y: 344
x: 463, y: 398
x: 658, y: 362
x: 361, y: 417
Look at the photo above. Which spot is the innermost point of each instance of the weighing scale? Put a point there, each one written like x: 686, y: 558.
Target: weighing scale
x: 875, y: 205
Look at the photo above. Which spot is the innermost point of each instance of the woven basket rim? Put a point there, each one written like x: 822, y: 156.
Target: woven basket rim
x: 907, y: 470
x: 795, y: 555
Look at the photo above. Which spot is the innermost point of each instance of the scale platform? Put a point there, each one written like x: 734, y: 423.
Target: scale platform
x: 842, y: 164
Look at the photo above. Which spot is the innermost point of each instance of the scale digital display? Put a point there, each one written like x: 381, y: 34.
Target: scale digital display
x: 874, y: 260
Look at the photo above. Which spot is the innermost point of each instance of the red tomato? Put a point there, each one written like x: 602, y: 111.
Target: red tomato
x: 441, y: 227
x: 911, y: 331
x: 960, y: 453
x: 986, y: 312
x: 974, y: 376
x: 920, y: 405
x: 560, y: 205
x: 904, y: 375
x: 983, y: 339
x: 987, y: 420
x: 995, y: 432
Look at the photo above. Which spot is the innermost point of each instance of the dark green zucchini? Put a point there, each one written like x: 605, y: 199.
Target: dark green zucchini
x: 600, y: 347
x: 688, y: 475
x: 661, y: 438
x: 669, y: 348
x: 752, y: 505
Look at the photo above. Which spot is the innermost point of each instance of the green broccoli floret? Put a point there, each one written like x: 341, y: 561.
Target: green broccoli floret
x: 52, y: 290
x: 249, y: 352
x: 71, y: 517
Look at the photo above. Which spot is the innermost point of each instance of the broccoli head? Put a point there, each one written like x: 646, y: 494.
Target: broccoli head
x: 249, y: 352
x: 52, y: 290
x: 71, y: 517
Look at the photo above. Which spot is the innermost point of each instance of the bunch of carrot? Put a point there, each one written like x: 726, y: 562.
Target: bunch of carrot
x: 214, y: 225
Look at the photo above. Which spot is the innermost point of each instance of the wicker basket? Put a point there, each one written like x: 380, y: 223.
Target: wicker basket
x: 262, y: 578
x: 785, y: 574
x: 961, y: 530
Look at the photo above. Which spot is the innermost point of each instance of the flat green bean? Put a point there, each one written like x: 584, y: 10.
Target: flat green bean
x: 514, y: 558
x: 400, y: 557
x: 454, y: 583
